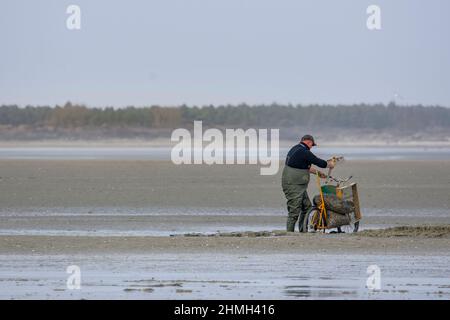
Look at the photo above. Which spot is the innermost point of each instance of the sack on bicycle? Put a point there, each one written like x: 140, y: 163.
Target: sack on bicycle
x: 333, y: 203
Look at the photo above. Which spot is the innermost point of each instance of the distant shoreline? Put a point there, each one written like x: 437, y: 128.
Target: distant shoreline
x: 166, y: 143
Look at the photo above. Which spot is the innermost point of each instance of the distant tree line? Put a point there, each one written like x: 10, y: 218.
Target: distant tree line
x: 361, y: 116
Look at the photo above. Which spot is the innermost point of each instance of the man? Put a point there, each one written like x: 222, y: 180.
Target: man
x: 295, y: 180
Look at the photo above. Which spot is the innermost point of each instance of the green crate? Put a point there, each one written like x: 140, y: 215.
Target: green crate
x: 329, y: 189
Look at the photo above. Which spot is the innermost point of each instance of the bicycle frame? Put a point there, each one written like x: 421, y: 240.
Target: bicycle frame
x: 322, y: 223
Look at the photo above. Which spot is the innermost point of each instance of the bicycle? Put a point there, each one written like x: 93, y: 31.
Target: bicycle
x: 319, y: 218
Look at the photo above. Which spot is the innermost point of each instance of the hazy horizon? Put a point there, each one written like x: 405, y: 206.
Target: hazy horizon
x: 199, y: 53
x: 295, y: 105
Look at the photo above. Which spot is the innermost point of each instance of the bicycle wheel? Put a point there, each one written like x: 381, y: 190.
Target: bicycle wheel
x: 311, y: 220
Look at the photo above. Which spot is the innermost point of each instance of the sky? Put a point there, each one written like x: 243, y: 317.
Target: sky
x: 199, y: 52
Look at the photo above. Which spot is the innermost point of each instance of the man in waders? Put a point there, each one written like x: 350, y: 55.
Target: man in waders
x: 295, y: 180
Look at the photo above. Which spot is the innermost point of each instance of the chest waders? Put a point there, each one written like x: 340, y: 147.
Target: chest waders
x: 295, y: 185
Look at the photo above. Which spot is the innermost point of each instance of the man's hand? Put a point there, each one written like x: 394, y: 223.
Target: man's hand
x: 322, y: 175
x: 331, y: 163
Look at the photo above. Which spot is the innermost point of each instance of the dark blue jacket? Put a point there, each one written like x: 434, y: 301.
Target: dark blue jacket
x: 300, y: 157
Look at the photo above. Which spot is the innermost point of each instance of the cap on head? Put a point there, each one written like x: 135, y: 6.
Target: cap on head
x: 310, y: 138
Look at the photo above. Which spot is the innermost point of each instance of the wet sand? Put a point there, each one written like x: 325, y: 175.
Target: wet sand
x: 113, y: 219
x: 157, y: 198
x: 381, y: 241
x: 275, y: 266
x: 222, y: 275
x: 94, y: 184
x: 312, y: 266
